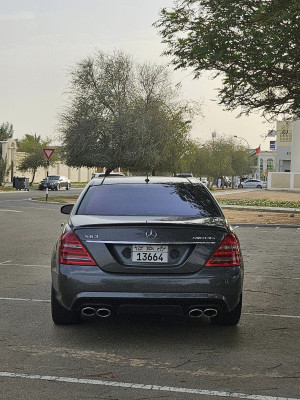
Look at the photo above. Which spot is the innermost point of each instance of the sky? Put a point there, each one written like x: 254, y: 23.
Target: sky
x: 42, y: 40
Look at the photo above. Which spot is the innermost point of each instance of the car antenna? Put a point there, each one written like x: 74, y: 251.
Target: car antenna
x: 107, y: 172
x: 147, y: 180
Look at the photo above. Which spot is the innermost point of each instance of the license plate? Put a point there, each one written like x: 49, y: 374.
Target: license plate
x: 150, y: 254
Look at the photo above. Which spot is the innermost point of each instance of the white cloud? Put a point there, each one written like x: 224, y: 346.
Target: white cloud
x: 21, y: 16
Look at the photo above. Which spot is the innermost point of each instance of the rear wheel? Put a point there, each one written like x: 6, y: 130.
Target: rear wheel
x: 259, y: 187
x: 68, y: 186
x: 229, y: 318
x: 60, y: 315
x: 240, y: 186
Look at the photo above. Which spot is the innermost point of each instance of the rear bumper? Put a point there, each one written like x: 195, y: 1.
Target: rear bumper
x: 79, y: 286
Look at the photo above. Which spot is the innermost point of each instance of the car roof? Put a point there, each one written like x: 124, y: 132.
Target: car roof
x: 141, y: 180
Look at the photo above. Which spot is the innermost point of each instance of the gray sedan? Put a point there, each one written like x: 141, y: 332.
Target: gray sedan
x: 146, y: 245
x: 253, y: 183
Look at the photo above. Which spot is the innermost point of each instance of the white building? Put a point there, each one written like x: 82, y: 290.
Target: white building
x: 287, y: 175
x: 265, y: 163
x: 283, y: 146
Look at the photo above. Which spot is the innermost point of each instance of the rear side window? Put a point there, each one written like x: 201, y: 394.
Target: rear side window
x: 180, y: 199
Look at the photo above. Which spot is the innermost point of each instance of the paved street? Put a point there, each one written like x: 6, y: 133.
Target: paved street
x: 144, y: 358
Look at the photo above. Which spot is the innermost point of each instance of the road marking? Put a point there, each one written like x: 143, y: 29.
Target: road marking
x: 24, y: 265
x: 128, y: 385
x: 270, y: 277
x: 1, y: 209
x: 20, y: 299
x: 273, y: 315
x: 4, y: 262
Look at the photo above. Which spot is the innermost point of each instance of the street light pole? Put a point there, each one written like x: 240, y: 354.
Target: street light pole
x: 239, y: 137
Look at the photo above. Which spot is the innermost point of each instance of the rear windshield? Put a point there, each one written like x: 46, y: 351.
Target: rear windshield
x: 178, y: 199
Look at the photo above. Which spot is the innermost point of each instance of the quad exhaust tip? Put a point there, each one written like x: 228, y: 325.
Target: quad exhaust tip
x: 198, y: 312
x: 210, y: 312
x: 195, y: 313
x: 102, y: 312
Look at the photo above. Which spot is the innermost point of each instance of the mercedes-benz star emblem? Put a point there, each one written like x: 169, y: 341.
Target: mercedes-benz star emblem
x: 151, y: 234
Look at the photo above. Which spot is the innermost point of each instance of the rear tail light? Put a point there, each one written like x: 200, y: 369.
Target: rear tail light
x: 228, y: 254
x: 72, y: 252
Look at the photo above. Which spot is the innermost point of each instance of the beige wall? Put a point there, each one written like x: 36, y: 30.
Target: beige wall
x: 284, y: 180
x: 74, y: 174
x: 295, y: 157
x: 297, y: 181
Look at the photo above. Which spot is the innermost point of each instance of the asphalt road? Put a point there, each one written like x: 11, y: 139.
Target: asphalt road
x: 142, y: 357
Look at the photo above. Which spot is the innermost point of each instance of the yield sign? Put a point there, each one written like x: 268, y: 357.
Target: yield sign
x: 48, y: 152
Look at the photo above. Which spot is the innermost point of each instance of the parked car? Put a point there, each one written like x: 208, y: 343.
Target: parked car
x: 154, y: 245
x: 102, y: 174
x: 204, y: 181
x: 253, y: 183
x: 55, y: 182
x: 184, y: 175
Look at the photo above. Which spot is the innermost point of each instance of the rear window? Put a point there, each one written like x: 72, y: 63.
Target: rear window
x: 178, y: 199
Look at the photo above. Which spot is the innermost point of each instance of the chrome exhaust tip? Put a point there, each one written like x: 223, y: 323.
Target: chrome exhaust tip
x: 103, y: 312
x: 88, y: 311
x: 195, y: 313
x: 210, y: 312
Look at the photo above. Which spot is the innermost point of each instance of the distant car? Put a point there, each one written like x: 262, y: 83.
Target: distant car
x: 204, y: 181
x: 155, y: 245
x: 253, y: 183
x: 55, y: 182
x: 101, y: 174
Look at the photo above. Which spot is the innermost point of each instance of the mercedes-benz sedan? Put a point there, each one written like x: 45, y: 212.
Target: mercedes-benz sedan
x: 253, y: 183
x: 146, y: 245
x: 55, y: 182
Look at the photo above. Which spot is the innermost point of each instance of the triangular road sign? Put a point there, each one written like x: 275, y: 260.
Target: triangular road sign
x: 48, y: 152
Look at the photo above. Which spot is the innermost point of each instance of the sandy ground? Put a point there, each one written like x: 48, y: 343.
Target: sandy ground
x: 259, y: 217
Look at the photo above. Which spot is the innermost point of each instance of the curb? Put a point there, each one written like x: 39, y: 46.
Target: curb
x: 236, y: 225
x: 266, y: 209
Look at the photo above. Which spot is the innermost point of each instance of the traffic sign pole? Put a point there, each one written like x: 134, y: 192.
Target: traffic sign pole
x: 47, y: 190
x: 48, y: 154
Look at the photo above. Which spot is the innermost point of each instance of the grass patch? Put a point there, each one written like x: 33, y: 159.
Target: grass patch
x: 7, y: 189
x: 261, y: 203
x: 79, y: 184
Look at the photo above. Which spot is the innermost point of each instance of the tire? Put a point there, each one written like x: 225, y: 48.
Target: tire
x: 57, y: 187
x: 60, y: 315
x: 240, y: 186
x: 68, y: 186
x: 230, y: 318
x: 259, y: 187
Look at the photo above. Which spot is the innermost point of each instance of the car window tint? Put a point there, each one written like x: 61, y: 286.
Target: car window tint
x: 155, y: 199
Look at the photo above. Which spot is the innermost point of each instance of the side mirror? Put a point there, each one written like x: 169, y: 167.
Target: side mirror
x: 67, y: 208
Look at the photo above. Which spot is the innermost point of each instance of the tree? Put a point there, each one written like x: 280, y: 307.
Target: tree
x: 219, y: 157
x: 123, y: 114
x: 32, y: 146
x: 252, y: 44
x: 4, y: 169
x: 6, y: 131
